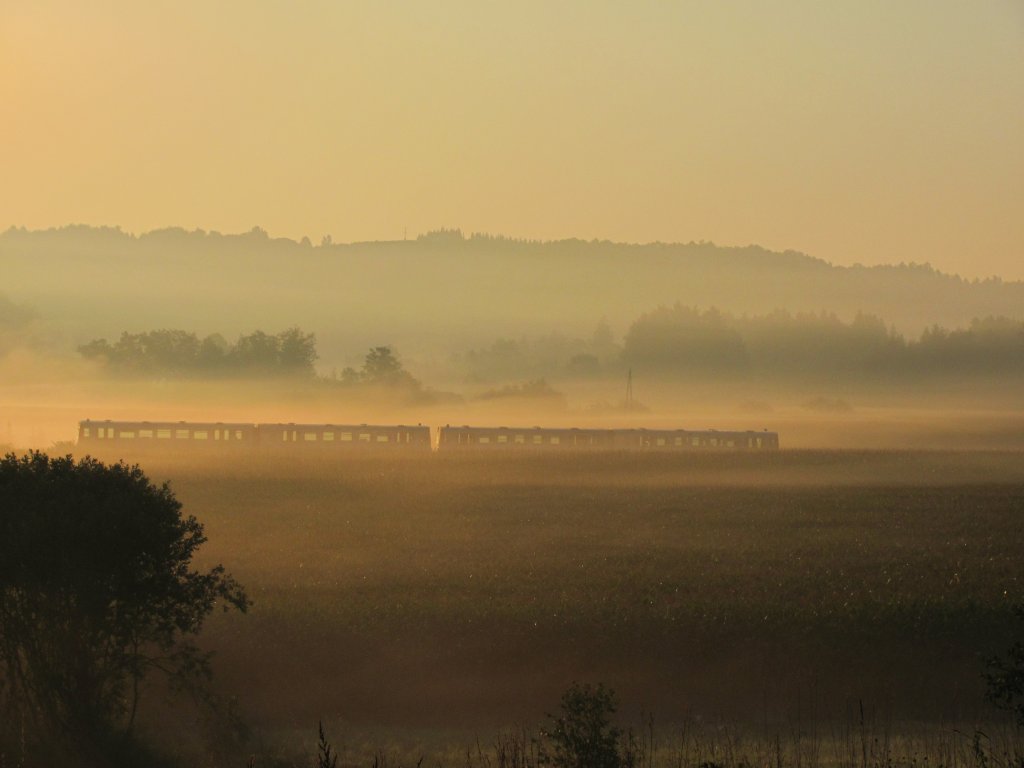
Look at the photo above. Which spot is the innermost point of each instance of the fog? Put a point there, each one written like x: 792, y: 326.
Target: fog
x: 198, y: 326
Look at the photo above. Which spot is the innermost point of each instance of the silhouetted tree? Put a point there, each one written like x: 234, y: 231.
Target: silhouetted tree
x: 97, y: 590
x: 382, y: 367
x: 582, y: 735
x: 1005, y: 677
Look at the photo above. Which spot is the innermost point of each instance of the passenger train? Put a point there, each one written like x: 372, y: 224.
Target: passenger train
x: 195, y: 436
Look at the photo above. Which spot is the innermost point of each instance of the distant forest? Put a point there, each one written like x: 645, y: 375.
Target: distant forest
x: 445, y: 292
x: 668, y: 342
x: 683, y: 340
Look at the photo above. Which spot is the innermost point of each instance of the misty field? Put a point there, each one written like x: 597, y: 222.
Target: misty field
x: 465, y: 593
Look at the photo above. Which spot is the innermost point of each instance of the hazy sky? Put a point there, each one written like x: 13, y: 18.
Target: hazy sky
x: 868, y: 130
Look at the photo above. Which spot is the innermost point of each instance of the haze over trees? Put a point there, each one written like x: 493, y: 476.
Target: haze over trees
x: 446, y: 290
x: 381, y: 368
x: 18, y: 325
x: 183, y: 353
x: 680, y: 341
x: 683, y: 340
x: 668, y: 342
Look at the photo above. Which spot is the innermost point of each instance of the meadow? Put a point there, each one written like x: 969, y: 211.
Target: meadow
x: 427, y: 600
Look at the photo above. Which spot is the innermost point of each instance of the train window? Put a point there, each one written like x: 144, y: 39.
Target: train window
x: 660, y: 441
x: 759, y: 442
x: 364, y: 437
x: 216, y: 434
x: 502, y: 438
x: 128, y: 435
x: 346, y: 437
x: 382, y: 438
x: 85, y: 432
x: 181, y: 434
x: 200, y: 434
x: 163, y: 434
x: 328, y: 437
x: 695, y: 442
x: 101, y: 432
x: 555, y: 440
x: 520, y: 439
x: 238, y: 434
x: 284, y: 436
x: 483, y: 439
x: 309, y: 437
x: 714, y: 441
x: 538, y: 439
x: 731, y: 443
x: 679, y: 441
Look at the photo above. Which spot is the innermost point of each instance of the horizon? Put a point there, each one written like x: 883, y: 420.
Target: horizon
x: 469, y: 236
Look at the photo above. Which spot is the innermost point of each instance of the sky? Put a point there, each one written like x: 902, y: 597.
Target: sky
x: 867, y: 131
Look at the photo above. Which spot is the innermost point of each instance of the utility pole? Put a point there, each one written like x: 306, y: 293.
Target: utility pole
x: 629, y: 390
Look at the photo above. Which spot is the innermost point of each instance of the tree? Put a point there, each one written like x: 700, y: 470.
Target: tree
x: 1005, y: 677
x: 298, y: 351
x: 684, y: 340
x: 382, y: 367
x: 258, y: 351
x: 583, y: 736
x: 97, y: 590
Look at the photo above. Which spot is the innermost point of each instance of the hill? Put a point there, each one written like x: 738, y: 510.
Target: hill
x: 444, y: 291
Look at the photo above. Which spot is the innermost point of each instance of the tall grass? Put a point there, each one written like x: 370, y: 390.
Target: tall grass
x: 863, y: 742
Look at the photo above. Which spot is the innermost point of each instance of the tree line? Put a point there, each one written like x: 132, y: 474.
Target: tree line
x: 685, y: 340
x: 182, y: 353
x: 669, y: 341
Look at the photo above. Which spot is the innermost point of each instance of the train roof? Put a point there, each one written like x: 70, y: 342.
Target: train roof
x: 237, y: 425
x: 677, y: 430
x: 291, y: 425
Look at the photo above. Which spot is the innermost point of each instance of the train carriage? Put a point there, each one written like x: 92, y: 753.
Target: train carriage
x: 499, y: 438
x: 344, y: 436
x: 695, y: 440
x: 537, y: 438
x: 166, y: 434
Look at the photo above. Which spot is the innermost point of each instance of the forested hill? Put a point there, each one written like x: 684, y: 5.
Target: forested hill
x: 103, y: 280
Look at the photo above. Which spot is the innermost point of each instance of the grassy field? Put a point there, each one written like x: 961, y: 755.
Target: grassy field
x: 465, y: 593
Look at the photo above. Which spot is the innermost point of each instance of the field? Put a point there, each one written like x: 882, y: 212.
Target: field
x: 463, y: 594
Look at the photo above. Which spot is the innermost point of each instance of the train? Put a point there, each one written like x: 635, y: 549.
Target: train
x: 224, y: 436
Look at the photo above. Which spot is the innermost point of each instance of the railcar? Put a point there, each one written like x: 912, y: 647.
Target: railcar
x: 180, y: 434
x: 509, y: 438
x: 498, y: 438
x: 696, y: 440
x: 192, y: 436
x: 344, y: 436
